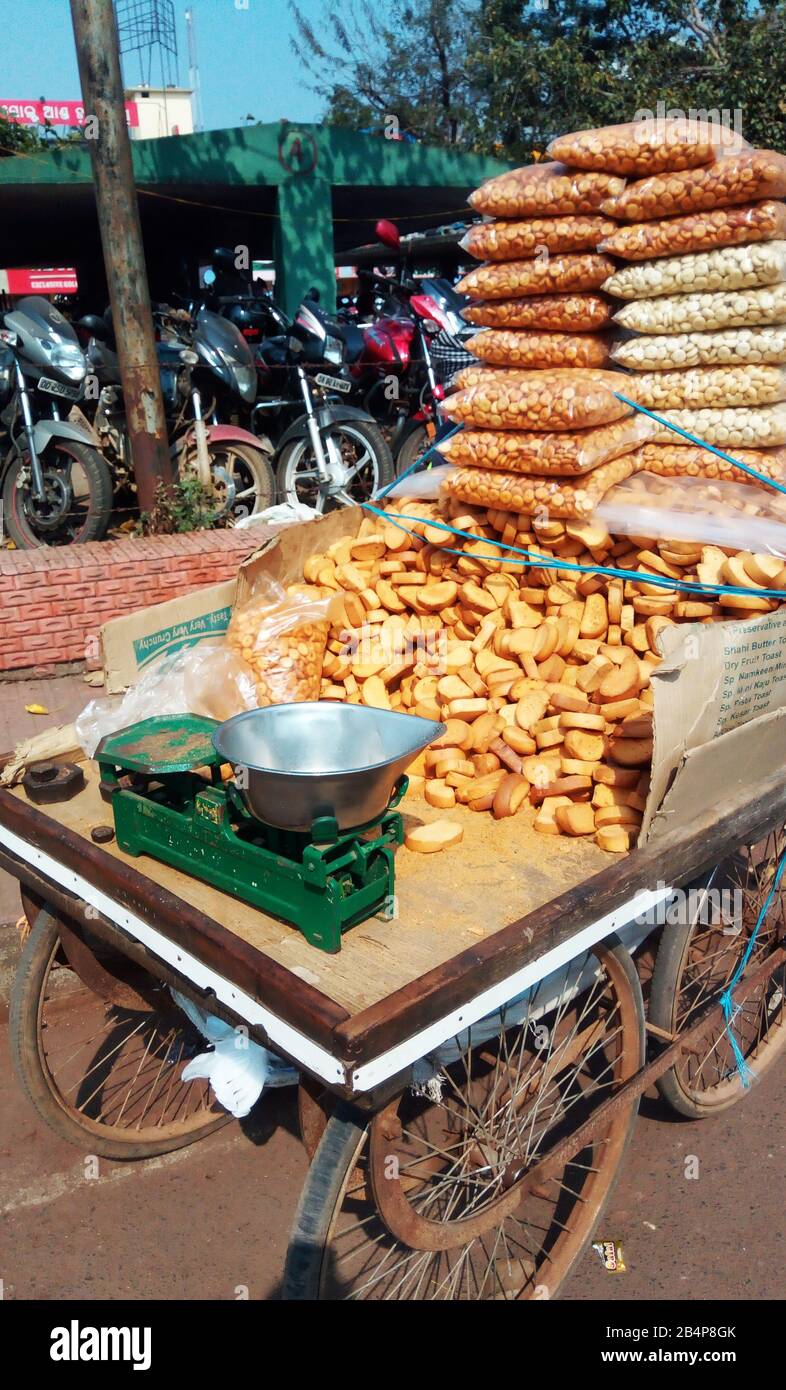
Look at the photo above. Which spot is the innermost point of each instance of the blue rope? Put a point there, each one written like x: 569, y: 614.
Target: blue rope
x: 538, y: 561
x: 419, y: 462
x: 745, y: 467
x: 746, y: 1074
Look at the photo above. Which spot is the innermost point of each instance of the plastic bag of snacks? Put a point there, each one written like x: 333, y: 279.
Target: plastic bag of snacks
x: 704, y: 231
x: 549, y: 189
x: 511, y: 349
x: 731, y: 268
x: 646, y: 146
x: 755, y: 428
x: 684, y: 313
x: 532, y: 495
x: 510, y: 279
x: 561, y: 454
x: 282, y: 635
x: 701, y: 387
x: 736, y: 178
x: 572, y: 313
x: 511, y: 241
x: 560, y: 399
x: 722, y: 516
x: 734, y: 345
x: 690, y: 461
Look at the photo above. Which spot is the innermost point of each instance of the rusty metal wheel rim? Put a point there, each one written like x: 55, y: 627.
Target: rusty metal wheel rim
x: 525, y: 1253
x: 709, y: 1076
x: 120, y: 1076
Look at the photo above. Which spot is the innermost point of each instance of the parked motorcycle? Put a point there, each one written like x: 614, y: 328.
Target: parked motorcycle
x: 329, y: 453
x: 208, y: 378
x: 56, y: 486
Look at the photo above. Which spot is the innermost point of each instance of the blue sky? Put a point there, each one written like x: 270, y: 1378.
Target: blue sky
x: 245, y: 59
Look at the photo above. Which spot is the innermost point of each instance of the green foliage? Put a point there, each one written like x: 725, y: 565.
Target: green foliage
x: 185, y: 506
x: 505, y: 76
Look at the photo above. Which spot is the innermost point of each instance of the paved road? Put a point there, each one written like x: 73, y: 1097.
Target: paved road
x: 207, y: 1221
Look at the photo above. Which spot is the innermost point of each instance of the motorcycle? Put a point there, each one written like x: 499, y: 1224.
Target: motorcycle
x: 208, y: 376
x: 329, y: 453
x: 412, y: 346
x: 56, y: 486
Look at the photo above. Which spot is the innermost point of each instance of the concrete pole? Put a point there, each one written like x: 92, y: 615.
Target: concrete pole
x: 95, y: 32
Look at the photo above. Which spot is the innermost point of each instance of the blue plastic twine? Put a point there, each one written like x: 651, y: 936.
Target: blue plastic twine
x: 747, y: 1075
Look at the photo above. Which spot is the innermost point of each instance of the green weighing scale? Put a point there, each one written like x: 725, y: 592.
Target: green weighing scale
x: 305, y: 828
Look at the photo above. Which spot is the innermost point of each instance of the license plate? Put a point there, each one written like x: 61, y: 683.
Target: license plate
x: 59, y: 388
x: 333, y: 383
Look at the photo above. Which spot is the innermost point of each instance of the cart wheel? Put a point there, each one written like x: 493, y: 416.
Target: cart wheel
x: 106, y: 1077
x: 696, y: 960
x: 422, y: 1203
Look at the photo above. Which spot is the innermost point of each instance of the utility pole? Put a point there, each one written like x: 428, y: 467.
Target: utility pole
x: 97, y: 46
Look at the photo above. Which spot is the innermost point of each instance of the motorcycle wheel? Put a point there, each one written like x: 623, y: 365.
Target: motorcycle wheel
x: 66, y: 464
x: 364, y: 451
x: 242, y: 474
x: 413, y: 446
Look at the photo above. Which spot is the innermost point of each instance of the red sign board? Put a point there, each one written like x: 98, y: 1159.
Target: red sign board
x: 59, y: 279
x: 55, y: 112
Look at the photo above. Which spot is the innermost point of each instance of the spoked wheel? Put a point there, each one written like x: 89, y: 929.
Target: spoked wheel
x: 242, y: 476
x: 697, y: 959
x: 78, y: 497
x: 445, y: 1194
x: 358, y: 459
x: 102, y: 1074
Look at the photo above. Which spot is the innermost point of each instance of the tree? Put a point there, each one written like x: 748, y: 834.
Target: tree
x: 410, y: 65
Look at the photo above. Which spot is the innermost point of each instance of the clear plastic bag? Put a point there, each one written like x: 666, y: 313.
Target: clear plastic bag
x: 708, y: 387
x: 551, y: 188
x: 531, y: 495
x: 511, y: 241
x: 508, y: 348
x: 736, y: 178
x: 647, y: 146
x: 723, y: 514
x: 209, y: 679
x: 732, y: 268
x: 685, y: 313
x: 559, y: 399
x: 282, y: 634
x: 705, y: 231
x: 511, y: 279
x: 561, y: 454
x: 725, y: 347
x: 743, y: 428
x: 677, y: 460
x: 575, y: 313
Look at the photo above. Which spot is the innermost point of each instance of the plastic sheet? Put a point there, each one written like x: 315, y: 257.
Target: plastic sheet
x: 732, y: 268
x: 572, y: 313
x: 560, y: 274
x: 511, y: 241
x: 723, y: 514
x: 549, y: 188
x: 508, y: 348
x: 561, y: 454
x: 647, y: 146
x: 282, y: 635
x: 736, y: 178
x: 673, y: 236
x: 560, y: 399
x: 687, y: 313
x: 657, y: 352
x: 208, y: 679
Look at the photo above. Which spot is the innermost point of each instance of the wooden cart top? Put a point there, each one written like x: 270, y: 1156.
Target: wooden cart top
x: 470, y: 921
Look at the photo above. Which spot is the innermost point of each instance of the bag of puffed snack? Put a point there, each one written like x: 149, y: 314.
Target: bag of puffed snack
x: 282, y: 635
x: 570, y: 313
x: 732, y: 268
x: 511, y: 348
x: 512, y: 241
x: 562, y: 454
x: 687, y: 313
x: 557, y: 274
x: 545, y: 190
x: 736, y: 178
x: 697, y: 231
x: 727, y: 346
x: 559, y: 399
x: 647, y: 146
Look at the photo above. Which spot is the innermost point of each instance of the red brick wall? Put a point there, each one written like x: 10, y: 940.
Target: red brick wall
x: 53, y: 601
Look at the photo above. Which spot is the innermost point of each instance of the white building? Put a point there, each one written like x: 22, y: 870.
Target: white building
x: 161, y: 111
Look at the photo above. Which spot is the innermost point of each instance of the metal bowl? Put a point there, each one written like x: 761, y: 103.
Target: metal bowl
x: 295, y: 763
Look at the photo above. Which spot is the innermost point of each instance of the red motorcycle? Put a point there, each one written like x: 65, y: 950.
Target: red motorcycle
x: 405, y: 357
